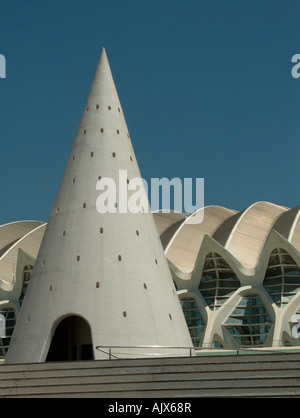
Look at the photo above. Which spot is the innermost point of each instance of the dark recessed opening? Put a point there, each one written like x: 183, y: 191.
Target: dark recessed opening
x: 72, y: 340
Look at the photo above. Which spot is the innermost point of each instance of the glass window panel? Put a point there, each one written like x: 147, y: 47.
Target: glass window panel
x: 280, y: 251
x: 205, y: 287
x: 208, y: 294
x: 273, y: 272
x: 209, y: 276
x: 193, y: 319
x: 249, y: 322
x: 274, y: 260
x: 282, y: 282
x: 287, y: 259
x: 273, y: 281
x: 221, y: 263
x: 291, y: 271
x: 26, y: 279
x: 218, y: 281
x: 209, y: 264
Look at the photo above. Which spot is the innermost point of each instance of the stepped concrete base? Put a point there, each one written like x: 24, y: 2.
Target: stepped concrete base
x: 263, y: 375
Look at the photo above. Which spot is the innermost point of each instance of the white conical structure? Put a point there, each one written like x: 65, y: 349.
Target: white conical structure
x: 105, y: 270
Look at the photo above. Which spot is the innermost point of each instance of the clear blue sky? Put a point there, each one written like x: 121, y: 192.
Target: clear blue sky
x: 205, y: 86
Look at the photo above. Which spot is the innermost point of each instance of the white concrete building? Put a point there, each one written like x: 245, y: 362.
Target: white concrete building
x: 106, y: 279
x: 238, y: 275
x: 99, y: 279
x: 230, y: 301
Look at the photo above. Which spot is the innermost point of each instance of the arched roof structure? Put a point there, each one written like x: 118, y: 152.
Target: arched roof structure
x: 243, y: 234
x: 26, y: 235
x: 12, y: 232
x: 245, y: 238
x: 288, y: 225
x: 185, y: 244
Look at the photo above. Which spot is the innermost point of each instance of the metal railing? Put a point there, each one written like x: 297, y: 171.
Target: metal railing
x: 191, y: 351
x: 107, y: 349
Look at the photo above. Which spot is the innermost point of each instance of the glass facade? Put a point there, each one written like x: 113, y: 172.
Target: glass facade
x: 26, y: 279
x: 249, y: 323
x: 282, y: 279
x: 8, y: 316
x: 194, y: 319
x: 218, y: 281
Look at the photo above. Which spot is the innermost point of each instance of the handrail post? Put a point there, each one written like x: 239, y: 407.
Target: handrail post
x: 109, y: 353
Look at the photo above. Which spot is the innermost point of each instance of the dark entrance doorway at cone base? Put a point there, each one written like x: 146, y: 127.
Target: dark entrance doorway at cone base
x: 72, y: 340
